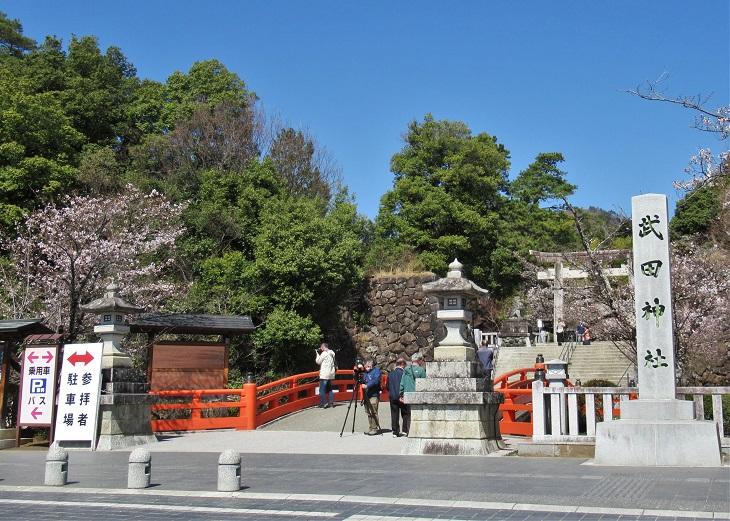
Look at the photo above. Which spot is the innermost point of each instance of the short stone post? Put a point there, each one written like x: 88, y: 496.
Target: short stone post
x: 56, y: 467
x: 229, y: 471
x: 140, y: 469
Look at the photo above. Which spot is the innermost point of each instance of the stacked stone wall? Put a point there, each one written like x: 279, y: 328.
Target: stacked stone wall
x: 398, y: 319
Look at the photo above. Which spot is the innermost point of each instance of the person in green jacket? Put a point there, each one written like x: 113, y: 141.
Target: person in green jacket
x: 413, y: 371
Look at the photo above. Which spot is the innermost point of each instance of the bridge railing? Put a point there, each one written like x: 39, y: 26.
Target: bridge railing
x: 246, y: 408
x: 572, y: 413
x: 517, y: 407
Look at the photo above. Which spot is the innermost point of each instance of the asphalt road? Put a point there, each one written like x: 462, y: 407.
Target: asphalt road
x: 336, y: 486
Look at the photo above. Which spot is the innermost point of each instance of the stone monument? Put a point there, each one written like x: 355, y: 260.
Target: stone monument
x: 450, y: 411
x: 124, y: 407
x: 657, y: 429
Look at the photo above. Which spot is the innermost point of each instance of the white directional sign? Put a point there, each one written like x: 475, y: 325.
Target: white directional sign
x: 78, y: 393
x: 38, y: 385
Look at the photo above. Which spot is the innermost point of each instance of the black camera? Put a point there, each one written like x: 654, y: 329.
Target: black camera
x: 359, y: 370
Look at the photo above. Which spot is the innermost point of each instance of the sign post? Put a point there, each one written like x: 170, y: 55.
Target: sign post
x: 37, y: 386
x: 657, y: 429
x: 78, y: 396
x: 4, y: 376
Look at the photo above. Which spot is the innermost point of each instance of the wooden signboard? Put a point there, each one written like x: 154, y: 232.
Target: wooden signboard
x: 188, y: 366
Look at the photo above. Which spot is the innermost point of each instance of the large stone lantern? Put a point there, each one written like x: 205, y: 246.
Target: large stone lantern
x: 112, y: 328
x: 451, y: 411
x: 124, y: 407
x: 452, y: 292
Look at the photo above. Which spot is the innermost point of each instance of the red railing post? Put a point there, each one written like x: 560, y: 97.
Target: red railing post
x: 249, y: 408
x: 195, y: 412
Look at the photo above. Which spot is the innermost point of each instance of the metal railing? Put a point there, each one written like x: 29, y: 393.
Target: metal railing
x: 568, y: 349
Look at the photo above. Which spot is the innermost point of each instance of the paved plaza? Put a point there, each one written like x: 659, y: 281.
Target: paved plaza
x: 356, y: 477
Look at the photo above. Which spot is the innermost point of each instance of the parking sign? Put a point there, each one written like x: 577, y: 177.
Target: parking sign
x: 38, y: 386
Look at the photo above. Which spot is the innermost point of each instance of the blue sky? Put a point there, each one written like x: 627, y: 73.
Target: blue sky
x: 541, y: 76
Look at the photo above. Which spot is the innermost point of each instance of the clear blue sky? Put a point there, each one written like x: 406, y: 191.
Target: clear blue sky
x: 541, y: 76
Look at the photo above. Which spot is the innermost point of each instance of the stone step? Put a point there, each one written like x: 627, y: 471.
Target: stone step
x: 7, y: 444
x: 462, y: 398
x: 449, y: 384
x: 452, y: 369
x: 7, y: 434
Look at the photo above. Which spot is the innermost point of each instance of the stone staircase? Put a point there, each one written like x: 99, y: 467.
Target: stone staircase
x: 600, y: 360
x: 7, y: 438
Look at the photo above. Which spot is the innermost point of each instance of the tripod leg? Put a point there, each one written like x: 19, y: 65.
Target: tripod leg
x: 355, y: 392
x: 348, y: 413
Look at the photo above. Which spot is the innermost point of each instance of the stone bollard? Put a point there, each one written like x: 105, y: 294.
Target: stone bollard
x: 229, y: 471
x: 140, y: 469
x: 56, y: 467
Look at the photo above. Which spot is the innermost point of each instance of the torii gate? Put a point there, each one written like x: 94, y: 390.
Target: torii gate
x: 558, y: 273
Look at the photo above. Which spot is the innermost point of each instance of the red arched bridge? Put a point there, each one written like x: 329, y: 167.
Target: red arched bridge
x: 254, y: 405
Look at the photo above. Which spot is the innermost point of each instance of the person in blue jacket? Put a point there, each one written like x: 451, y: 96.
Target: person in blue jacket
x: 398, y: 409
x: 371, y: 398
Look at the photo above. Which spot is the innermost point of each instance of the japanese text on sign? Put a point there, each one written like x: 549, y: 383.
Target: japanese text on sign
x: 78, y: 395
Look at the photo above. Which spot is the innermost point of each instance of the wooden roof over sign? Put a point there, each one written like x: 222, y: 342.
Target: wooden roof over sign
x: 187, y: 324
x: 19, y: 328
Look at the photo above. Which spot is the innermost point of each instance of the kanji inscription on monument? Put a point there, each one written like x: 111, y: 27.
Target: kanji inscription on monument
x: 653, y: 303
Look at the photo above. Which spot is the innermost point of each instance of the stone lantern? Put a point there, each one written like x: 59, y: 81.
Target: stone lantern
x: 124, y: 407
x: 112, y: 327
x: 451, y: 411
x: 556, y: 372
x: 452, y: 292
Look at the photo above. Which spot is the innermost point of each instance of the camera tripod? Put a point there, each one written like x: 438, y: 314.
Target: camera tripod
x: 355, y: 392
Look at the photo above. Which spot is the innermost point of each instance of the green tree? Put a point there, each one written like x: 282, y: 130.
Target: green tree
x: 698, y: 210
x: 449, y: 189
x: 12, y: 41
x: 38, y: 144
x: 542, y: 181
x: 207, y: 83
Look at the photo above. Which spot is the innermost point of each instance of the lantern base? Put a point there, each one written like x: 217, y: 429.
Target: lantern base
x: 452, y: 353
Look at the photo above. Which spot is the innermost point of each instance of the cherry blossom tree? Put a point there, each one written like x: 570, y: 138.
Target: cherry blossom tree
x: 701, y: 301
x: 66, y: 253
x: 704, y: 167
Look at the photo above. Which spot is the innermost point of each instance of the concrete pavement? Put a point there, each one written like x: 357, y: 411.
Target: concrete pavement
x: 367, y: 484
x: 292, y: 470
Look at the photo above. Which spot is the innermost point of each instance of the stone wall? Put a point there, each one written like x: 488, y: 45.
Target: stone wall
x: 397, y: 319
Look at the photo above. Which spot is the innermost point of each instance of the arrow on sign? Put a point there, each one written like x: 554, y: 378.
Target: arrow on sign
x: 35, y: 413
x: 85, y: 358
x: 48, y: 357
x: 32, y: 357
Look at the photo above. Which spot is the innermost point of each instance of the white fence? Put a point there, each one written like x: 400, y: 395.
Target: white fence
x: 555, y: 410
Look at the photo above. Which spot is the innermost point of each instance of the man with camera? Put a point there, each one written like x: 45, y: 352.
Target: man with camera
x: 371, y: 395
x: 326, y: 361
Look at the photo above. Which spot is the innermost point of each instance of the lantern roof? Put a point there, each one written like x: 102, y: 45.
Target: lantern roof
x: 111, y: 302
x: 454, y: 283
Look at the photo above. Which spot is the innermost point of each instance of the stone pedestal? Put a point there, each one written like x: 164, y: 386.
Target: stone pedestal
x: 658, y: 433
x: 657, y: 429
x: 124, y: 410
x: 451, y: 414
